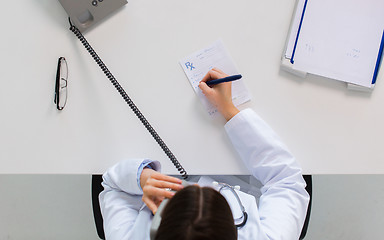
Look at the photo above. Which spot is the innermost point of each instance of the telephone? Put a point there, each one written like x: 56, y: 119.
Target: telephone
x: 82, y: 15
x: 86, y: 13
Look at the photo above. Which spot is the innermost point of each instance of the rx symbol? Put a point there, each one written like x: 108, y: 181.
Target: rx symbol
x: 189, y: 65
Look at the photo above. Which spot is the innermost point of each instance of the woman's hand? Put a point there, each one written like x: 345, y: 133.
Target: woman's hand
x: 219, y: 95
x: 154, y: 185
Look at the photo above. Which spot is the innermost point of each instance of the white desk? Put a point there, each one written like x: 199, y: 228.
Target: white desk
x: 328, y: 128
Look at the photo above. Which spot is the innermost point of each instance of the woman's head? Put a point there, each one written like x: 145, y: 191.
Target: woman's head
x: 197, y: 213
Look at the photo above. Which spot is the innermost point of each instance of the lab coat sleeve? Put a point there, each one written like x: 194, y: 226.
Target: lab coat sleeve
x: 284, y: 200
x: 120, y: 201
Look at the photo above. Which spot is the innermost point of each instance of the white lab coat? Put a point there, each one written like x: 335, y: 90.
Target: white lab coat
x: 282, y: 205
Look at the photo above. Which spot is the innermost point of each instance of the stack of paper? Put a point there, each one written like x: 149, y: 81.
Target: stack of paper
x: 338, y: 39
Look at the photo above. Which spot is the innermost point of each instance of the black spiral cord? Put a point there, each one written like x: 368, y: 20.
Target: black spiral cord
x: 128, y: 100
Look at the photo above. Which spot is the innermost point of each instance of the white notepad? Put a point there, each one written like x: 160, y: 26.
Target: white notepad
x: 197, y: 65
x: 341, y: 39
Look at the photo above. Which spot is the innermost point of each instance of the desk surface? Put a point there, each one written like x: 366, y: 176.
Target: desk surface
x: 329, y: 129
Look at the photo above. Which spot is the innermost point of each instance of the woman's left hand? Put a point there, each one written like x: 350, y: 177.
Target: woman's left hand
x: 155, y: 185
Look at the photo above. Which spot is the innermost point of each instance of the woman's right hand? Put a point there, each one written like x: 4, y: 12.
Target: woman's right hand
x: 155, y: 187
x: 220, y: 95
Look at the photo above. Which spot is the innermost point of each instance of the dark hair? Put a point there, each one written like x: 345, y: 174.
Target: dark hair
x: 197, y: 213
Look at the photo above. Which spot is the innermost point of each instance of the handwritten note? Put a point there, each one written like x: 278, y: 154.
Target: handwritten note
x: 199, y: 63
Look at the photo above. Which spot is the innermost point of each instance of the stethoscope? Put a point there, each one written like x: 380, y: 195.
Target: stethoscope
x: 232, y: 188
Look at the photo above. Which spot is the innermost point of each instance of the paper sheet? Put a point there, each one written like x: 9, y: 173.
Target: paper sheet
x: 197, y: 65
x: 341, y: 39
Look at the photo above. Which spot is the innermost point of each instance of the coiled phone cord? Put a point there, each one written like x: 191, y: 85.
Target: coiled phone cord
x: 128, y: 100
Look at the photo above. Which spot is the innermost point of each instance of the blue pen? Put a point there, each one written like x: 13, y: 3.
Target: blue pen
x: 226, y: 79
